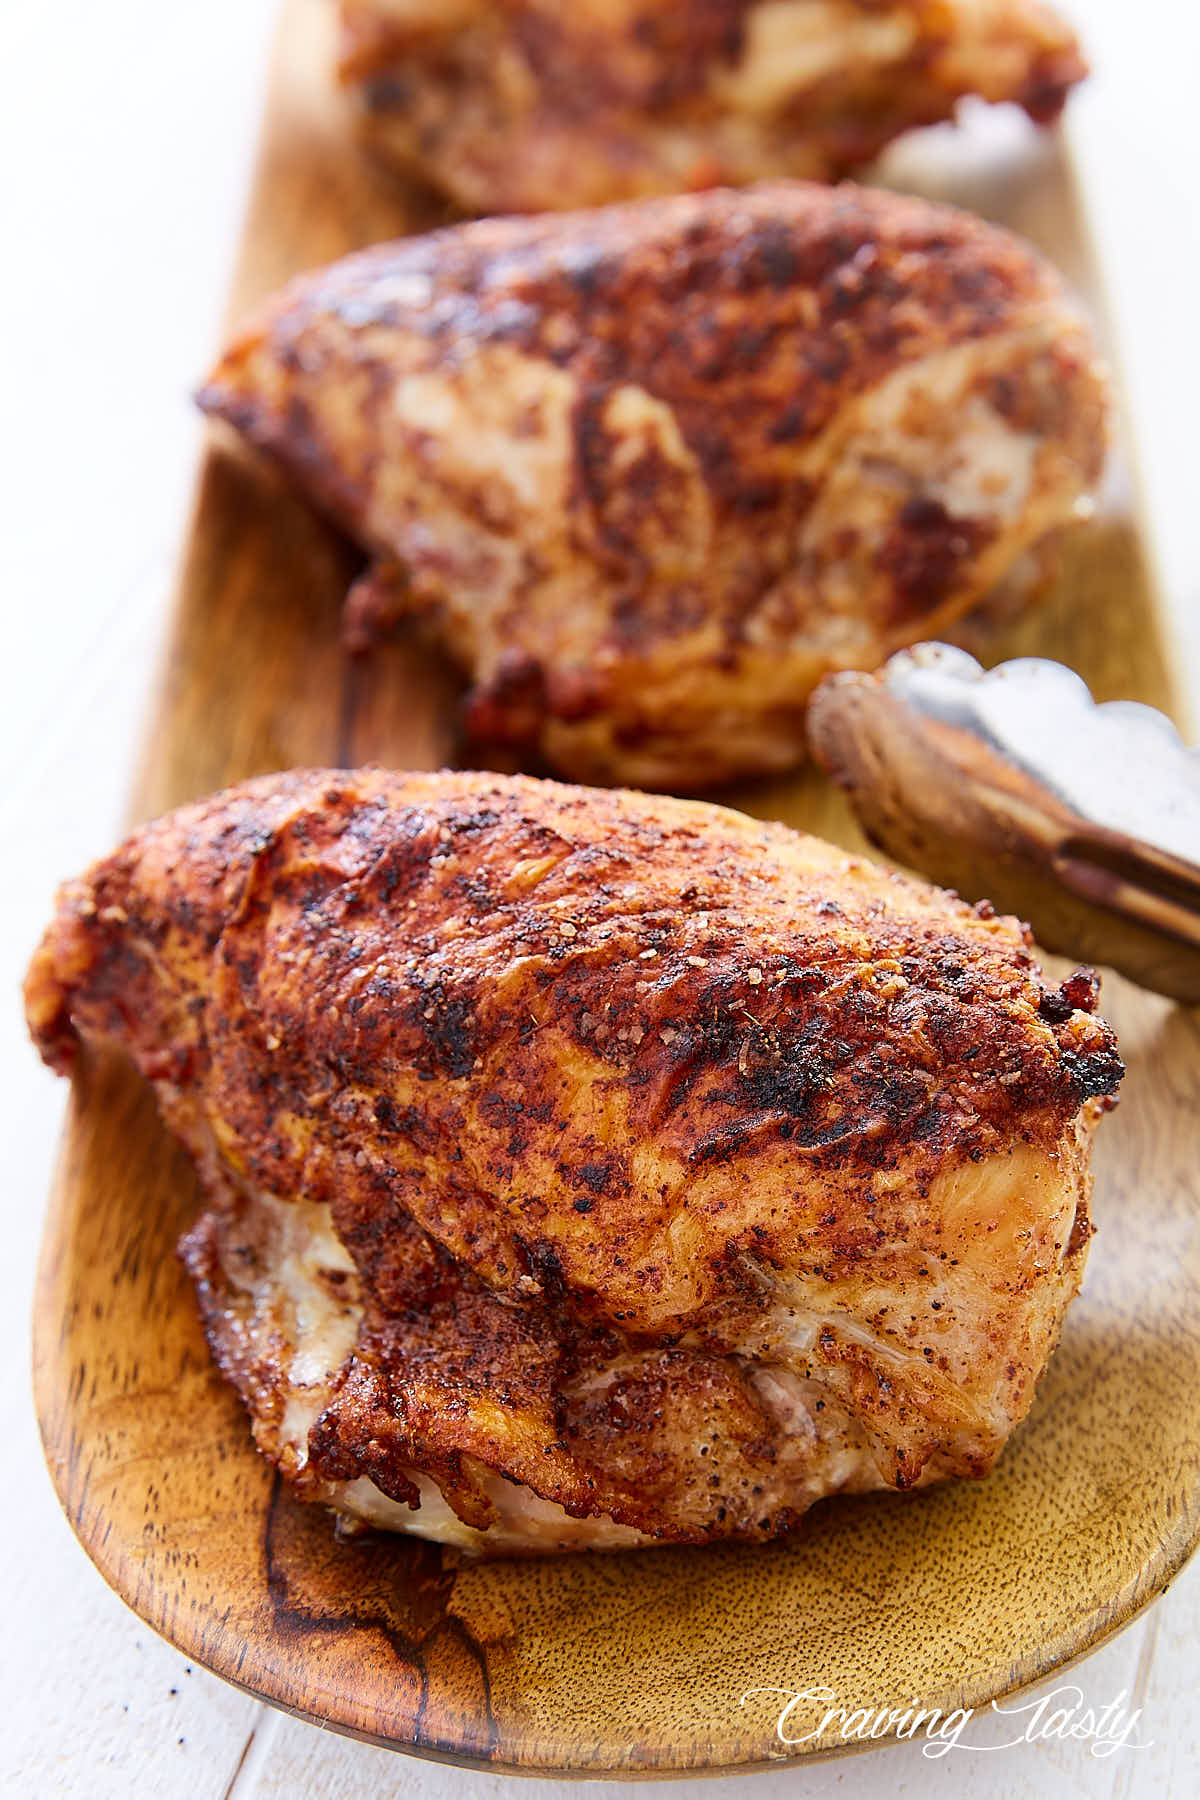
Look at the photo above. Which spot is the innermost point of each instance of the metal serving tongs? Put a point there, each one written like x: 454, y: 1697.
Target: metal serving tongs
x: 1015, y: 785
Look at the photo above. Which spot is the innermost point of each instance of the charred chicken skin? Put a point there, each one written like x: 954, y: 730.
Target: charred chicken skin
x: 648, y: 473
x: 532, y: 105
x: 587, y: 1168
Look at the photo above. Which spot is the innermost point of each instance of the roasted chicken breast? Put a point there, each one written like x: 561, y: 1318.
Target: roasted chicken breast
x: 587, y: 1168
x: 531, y: 105
x: 648, y: 473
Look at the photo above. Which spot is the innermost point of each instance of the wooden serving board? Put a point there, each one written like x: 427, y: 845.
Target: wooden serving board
x: 638, y: 1662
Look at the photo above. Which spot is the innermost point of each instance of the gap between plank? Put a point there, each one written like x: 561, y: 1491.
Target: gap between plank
x: 244, y: 1780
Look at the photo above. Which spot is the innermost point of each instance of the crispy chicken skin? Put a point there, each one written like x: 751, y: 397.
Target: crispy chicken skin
x: 533, y: 105
x: 648, y: 473
x: 589, y: 1168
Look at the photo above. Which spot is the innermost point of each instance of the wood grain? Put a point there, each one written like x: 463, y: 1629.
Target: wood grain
x: 632, y: 1663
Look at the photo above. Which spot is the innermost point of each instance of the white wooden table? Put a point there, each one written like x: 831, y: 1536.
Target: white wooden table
x: 125, y: 137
